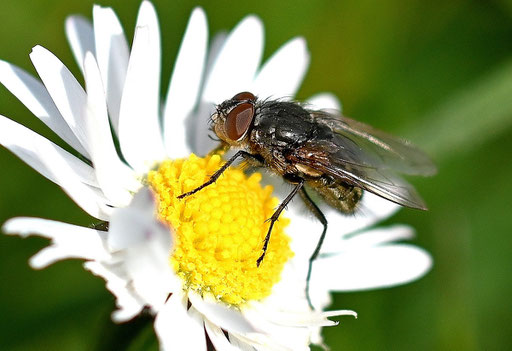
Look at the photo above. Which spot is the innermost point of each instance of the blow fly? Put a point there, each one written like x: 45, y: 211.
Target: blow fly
x: 336, y: 156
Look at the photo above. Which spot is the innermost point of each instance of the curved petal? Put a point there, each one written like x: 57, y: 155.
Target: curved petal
x: 300, y: 319
x: 68, y: 241
x: 218, y: 338
x: 113, y: 176
x: 81, y: 37
x: 66, y: 92
x: 135, y: 224
x: 223, y: 316
x: 140, y: 136
x: 370, y: 268
x: 128, y: 304
x: 112, y: 53
x: 55, y: 164
x: 237, y: 63
x: 35, y: 97
x: 283, y: 73
x: 290, y: 329
x: 368, y: 238
x: 39, y: 153
x: 176, y: 329
x: 144, y: 244
x: 245, y: 344
x: 216, y: 45
x: 185, y: 84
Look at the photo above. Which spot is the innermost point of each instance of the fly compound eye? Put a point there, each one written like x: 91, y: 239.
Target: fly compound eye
x: 244, y: 96
x: 239, y: 120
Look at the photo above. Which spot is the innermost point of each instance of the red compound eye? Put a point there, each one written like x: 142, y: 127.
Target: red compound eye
x: 244, y: 96
x: 239, y: 120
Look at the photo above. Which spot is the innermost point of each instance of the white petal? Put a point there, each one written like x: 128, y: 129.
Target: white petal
x: 200, y: 135
x: 305, y: 230
x: 216, y: 45
x: 112, y: 53
x: 293, y: 318
x: 80, y: 36
x: 201, y: 143
x: 145, y: 245
x: 56, y: 164
x: 144, y: 202
x: 185, y: 84
x: 34, y: 96
x: 325, y: 101
x: 114, y: 177
x: 176, y: 329
x: 236, y: 64
x: 369, y: 238
x: 128, y: 225
x: 318, y: 319
x: 129, y: 304
x: 257, y: 341
x: 29, y: 146
x: 140, y: 134
x: 283, y: 73
x: 370, y: 268
x: 291, y: 328
x: 279, y: 337
x: 289, y: 293
x: 68, y: 241
x: 66, y: 92
x: 242, y: 345
x: 221, y: 315
x: 219, y: 340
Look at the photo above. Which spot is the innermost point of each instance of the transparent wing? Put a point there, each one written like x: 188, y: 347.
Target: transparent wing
x: 381, y: 182
x: 360, y: 144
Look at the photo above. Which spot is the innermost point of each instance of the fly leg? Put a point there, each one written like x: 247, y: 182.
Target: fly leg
x: 320, y: 216
x: 275, y: 216
x: 218, y: 173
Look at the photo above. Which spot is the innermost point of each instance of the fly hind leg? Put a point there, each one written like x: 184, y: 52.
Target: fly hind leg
x: 321, y: 217
x: 275, y: 217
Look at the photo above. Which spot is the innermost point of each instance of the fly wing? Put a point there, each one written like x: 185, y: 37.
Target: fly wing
x: 315, y: 154
x: 360, y: 144
x: 383, y: 183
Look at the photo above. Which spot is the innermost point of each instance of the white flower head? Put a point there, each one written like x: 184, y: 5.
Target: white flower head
x: 143, y: 256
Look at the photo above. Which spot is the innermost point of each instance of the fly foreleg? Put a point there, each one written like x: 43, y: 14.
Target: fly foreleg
x: 218, y: 173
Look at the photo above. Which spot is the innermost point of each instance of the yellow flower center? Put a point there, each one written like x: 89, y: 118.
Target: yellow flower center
x: 220, y: 229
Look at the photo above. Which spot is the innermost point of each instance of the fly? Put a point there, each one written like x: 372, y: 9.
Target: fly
x: 336, y: 156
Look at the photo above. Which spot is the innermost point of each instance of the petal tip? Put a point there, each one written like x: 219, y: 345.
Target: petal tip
x: 147, y: 5
x: 11, y: 227
x: 198, y: 11
x: 251, y: 22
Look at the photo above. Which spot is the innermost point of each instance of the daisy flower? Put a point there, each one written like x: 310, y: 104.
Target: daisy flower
x: 191, y: 262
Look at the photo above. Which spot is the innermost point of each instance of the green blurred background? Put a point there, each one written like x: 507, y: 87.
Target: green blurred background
x: 437, y: 72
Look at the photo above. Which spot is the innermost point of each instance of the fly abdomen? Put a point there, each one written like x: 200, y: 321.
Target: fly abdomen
x: 340, y: 195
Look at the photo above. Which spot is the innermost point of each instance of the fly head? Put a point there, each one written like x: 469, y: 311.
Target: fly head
x: 234, y: 118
